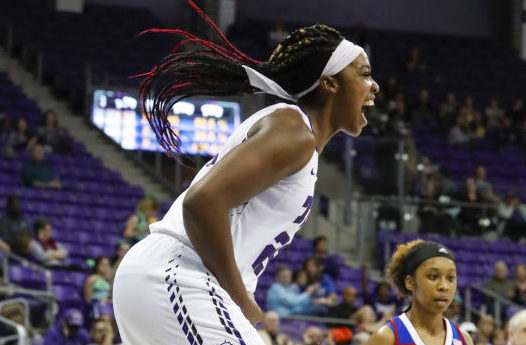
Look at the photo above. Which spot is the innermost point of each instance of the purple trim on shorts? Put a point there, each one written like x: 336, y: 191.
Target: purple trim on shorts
x: 179, y: 308
x: 222, y: 312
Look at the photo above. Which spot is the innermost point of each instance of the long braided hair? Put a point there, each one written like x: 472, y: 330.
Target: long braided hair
x: 216, y: 70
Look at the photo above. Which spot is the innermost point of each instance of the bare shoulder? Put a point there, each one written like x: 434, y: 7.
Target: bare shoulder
x: 285, y: 121
x: 286, y: 134
x: 384, y: 336
x: 467, y: 337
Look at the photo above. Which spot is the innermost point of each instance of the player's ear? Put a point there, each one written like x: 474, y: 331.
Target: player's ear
x: 329, y: 84
x: 409, y: 283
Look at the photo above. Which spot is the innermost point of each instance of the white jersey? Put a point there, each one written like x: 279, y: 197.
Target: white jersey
x: 268, y: 221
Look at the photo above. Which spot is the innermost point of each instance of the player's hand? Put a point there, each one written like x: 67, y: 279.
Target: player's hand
x: 251, y: 310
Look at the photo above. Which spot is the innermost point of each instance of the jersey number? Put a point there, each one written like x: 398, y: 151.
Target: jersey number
x: 270, y: 251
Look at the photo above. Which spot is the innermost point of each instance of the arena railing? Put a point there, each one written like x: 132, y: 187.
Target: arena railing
x: 21, y: 337
x: 499, y: 304
x: 326, y: 320
x: 12, y: 289
x: 366, y: 220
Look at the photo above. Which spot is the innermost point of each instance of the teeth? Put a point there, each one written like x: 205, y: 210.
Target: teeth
x: 369, y: 103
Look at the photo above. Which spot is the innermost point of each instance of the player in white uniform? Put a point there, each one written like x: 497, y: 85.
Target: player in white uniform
x: 192, y: 280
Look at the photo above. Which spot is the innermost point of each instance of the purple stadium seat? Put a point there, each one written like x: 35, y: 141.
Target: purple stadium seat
x: 27, y: 277
x: 67, y: 296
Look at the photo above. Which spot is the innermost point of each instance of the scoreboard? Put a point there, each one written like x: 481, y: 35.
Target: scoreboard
x: 202, y: 124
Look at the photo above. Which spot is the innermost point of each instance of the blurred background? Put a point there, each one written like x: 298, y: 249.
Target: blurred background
x: 442, y: 158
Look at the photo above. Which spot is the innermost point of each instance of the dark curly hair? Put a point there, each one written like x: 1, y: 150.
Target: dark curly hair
x: 396, y: 270
x: 216, y: 70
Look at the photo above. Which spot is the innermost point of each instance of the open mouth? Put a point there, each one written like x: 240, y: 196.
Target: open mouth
x: 367, y: 104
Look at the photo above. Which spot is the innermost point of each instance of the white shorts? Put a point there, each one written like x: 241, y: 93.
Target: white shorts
x: 164, y: 295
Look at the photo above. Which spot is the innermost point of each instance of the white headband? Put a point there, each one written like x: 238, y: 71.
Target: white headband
x: 341, y: 57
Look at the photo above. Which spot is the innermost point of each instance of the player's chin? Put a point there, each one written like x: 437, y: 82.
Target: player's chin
x: 355, y: 129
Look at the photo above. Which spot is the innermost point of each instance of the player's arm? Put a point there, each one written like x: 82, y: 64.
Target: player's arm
x: 384, y: 336
x: 467, y: 337
x: 278, y: 145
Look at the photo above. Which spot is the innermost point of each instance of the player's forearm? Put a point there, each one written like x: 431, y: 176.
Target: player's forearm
x: 209, y: 231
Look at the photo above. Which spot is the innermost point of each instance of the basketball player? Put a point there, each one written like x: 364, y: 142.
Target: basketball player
x: 425, y: 271
x: 192, y: 280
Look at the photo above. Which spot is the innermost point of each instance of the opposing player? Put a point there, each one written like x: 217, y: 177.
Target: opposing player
x: 426, y: 272
x: 192, y: 279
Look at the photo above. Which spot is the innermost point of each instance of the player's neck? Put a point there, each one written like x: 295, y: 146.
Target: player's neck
x: 321, y: 125
x: 431, y: 323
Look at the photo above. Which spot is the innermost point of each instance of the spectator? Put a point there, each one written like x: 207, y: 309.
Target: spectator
x: 517, y: 328
x: 105, y: 313
x: 415, y: 63
x: 514, y: 215
x: 500, y: 283
x: 325, y: 293
x: 499, y: 337
x: 50, y: 134
x: 330, y: 262
x: 485, y: 327
x: 519, y: 295
x: 69, y: 331
x: 101, y: 333
x: 494, y: 113
x: 477, y: 126
x: 484, y: 188
x: 432, y: 217
x: 37, y: 172
x: 468, y: 109
x: 269, y: 333
x: 315, y: 336
x: 44, y: 248
x: 469, y: 216
x: 453, y: 312
x: 97, y: 288
x: 423, y: 111
x: 285, y: 301
x: 299, y: 280
x: 346, y: 308
x: 16, y: 140
x: 137, y: 225
x: 381, y: 300
x: 459, y: 135
x: 366, y: 321
x: 15, y: 234
x: 450, y: 105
